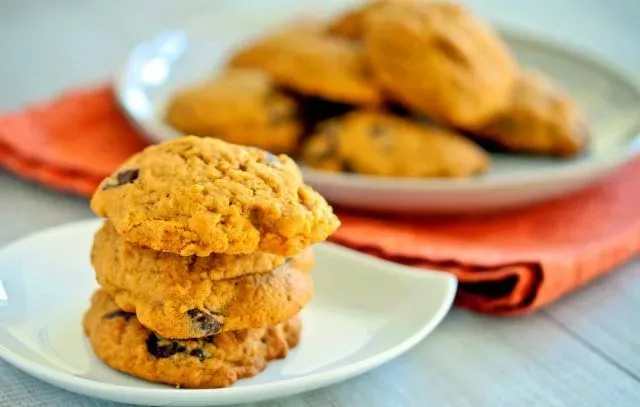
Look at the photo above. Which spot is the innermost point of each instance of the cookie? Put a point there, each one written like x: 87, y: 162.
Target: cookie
x: 187, y: 299
x: 439, y: 60
x: 120, y: 341
x: 115, y: 255
x: 541, y: 119
x: 199, y: 196
x: 313, y: 64
x: 350, y: 24
x: 241, y: 106
x: 381, y: 144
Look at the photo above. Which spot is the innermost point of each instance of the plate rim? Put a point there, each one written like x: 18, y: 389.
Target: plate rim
x: 290, y: 386
x: 599, y: 164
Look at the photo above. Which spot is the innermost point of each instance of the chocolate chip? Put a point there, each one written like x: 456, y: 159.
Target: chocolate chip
x: 209, y: 339
x: 124, y: 177
x: 198, y: 353
x: 206, y: 322
x: 163, y: 351
x: 119, y: 314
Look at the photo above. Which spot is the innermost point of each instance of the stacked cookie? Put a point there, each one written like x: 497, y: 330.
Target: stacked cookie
x: 203, y: 261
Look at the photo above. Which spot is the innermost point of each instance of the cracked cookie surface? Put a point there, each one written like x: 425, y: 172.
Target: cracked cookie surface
x: 541, y: 119
x: 241, y: 106
x: 199, y: 196
x: 121, y: 342
x: 381, y: 144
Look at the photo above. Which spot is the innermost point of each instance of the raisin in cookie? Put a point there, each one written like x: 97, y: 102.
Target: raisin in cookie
x: 541, y: 119
x: 121, y: 342
x: 241, y: 106
x: 313, y: 64
x: 378, y: 143
x: 440, y: 61
x: 187, y: 298
x: 200, y: 196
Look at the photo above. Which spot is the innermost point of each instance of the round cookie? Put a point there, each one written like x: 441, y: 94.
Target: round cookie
x: 313, y: 64
x: 380, y: 144
x: 241, y: 106
x: 199, y: 196
x: 181, y: 302
x: 351, y: 23
x: 541, y: 119
x: 439, y: 60
x: 113, y: 254
x: 120, y: 341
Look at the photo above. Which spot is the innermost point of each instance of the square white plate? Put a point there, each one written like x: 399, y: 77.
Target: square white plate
x: 365, y: 312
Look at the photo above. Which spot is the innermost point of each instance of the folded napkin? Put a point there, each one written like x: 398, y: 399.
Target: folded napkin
x: 507, y: 263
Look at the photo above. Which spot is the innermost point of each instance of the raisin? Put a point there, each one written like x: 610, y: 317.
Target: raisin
x: 124, y: 177
x: 198, y: 353
x: 209, y: 339
x: 206, y: 322
x: 163, y: 351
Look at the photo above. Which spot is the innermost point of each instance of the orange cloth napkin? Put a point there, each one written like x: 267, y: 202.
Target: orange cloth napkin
x: 507, y: 263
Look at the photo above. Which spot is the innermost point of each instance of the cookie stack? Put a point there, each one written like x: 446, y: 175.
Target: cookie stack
x: 203, y: 262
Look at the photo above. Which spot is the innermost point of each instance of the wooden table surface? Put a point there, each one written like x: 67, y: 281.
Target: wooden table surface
x: 581, y: 351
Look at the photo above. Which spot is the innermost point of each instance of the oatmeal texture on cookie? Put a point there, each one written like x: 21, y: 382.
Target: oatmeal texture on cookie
x: 120, y: 341
x: 199, y: 196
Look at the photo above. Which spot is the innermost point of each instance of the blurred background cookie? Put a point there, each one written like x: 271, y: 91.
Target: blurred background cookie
x: 439, y: 60
x: 313, y: 64
x: 351, y: 23
x: 241, y: 106
x: 378, y: 143
x: 541, y: 119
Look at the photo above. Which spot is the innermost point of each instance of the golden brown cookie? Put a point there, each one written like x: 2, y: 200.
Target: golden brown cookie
x: 112, y: 253
x: 378, y: 143
x: 313, y: 64
x: 439, y: 60
x: 183, y: 297
x: 200, y: 196
x: 241, y: 106
x: 541, y: 119
x: 350, y: 24
x: 120, y: 341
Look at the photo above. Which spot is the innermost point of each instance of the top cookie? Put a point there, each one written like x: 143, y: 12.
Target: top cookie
x: 197, y: 196
x: 439, y: 60
x: 351, y: 24
x: 541, y: 119
x: 314, y: 64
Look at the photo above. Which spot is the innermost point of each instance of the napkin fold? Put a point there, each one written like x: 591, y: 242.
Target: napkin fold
x: 507, y: 263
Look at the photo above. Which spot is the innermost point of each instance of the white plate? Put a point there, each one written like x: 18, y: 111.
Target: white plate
x: 612, y: 102
x: 365, y: 312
